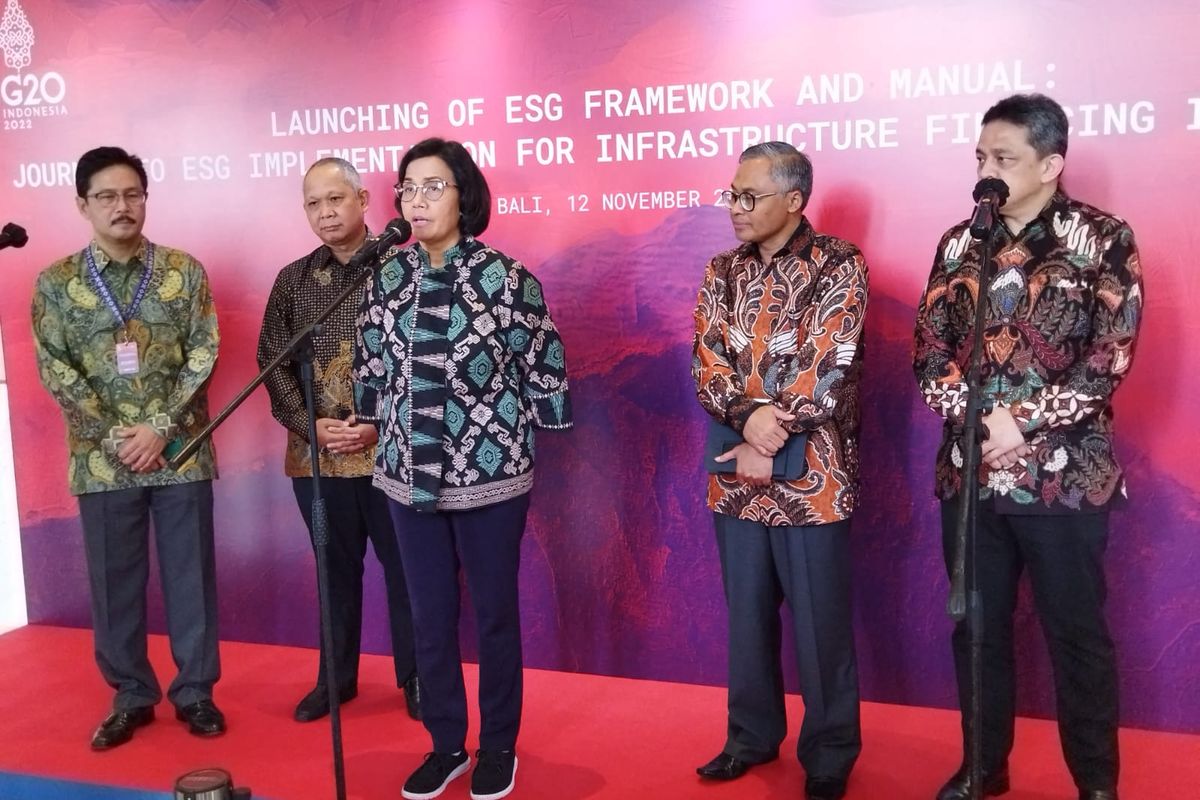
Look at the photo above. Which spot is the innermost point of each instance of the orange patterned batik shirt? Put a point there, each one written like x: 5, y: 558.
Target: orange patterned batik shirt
x: 789, y: 333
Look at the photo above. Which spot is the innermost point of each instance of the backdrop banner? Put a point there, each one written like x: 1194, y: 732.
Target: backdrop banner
x: 606, y: 130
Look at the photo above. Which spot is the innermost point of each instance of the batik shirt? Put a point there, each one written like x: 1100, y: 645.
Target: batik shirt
x: 75, y: 335
x: 458, y: 364
x: 1062, y: 319
x: 302, y: 290
x: 788, y: 333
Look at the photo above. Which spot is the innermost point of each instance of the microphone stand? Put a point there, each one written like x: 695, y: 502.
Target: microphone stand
x: 301, y: 348
x: 965, y: 601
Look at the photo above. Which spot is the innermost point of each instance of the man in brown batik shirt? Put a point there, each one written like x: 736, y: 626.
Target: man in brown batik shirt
x: 335, y: 203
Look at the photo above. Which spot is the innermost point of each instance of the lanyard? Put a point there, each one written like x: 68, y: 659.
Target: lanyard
x: 106, y: 294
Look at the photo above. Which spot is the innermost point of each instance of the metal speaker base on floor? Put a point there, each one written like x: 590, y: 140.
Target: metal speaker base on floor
x: 212, y: 783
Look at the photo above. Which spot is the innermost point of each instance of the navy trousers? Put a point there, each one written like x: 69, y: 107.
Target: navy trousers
x: 116, y: 541
x: 486, y: 544
x: 1065, y: 558
x: 358, y: 513
x: 809, y: 567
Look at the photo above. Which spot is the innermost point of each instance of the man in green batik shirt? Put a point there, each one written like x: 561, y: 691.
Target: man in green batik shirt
x: 126, y: 339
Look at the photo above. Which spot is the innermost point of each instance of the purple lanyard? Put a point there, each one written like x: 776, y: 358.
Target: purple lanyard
x: 106, y: 294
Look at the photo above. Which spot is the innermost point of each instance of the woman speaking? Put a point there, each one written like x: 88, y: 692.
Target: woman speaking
x: 457, y: 362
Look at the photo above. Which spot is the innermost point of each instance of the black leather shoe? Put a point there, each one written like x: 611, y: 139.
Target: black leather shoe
x: 824, y: 789
x: 959, y: 786
x: 1097, y: 794
x: 316, y: 703
x: 203, y: 718
x: 118, y: 727
x: 723, y: 768
x: 726, y: 767
x: 412, y: 697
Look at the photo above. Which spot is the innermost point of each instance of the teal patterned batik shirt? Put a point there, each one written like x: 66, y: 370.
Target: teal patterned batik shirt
x: 457, y: 365
x: 76, y: 333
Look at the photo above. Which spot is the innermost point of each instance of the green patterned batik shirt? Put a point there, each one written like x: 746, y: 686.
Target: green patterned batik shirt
x: 75, y: 334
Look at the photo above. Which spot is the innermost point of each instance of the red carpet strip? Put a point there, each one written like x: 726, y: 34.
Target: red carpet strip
x: 583, y: 736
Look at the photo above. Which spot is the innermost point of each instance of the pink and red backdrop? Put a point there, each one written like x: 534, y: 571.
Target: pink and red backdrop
x: 620, y: 572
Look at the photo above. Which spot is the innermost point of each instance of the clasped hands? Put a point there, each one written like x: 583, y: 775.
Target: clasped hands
x: 1005, y: 445
x: 141, y: 448
x: 345, y: 436
x: 764, y: 434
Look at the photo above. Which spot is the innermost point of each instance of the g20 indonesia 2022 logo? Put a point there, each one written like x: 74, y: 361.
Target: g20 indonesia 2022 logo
x: 25, y: 96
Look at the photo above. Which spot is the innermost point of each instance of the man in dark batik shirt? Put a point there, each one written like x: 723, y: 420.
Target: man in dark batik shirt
x: 335, y: 202
x: 1062, y: 319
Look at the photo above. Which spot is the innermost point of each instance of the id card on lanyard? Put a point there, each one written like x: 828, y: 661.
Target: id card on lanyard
x: 128, y: 358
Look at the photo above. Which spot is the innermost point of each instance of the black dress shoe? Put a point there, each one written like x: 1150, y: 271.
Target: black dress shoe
x: 723, y: 768
x: 1097, y: 794
x: 412, y: 696
x: 203, y: 718
x: 316, y: 703
x: 726, y: 767
x: 959, y: 786
x: 118, y: 727
x: 824, y: 789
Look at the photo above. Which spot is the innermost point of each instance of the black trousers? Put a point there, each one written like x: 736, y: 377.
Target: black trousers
x: 1065, y: 558
x: 486, y: 543
x: 116, y: 542
x: 358, y: 513
x: 809, y: 567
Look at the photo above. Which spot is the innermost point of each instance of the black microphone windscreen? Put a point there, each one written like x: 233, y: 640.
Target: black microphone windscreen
x: 13, y: 235
x: 401, y: 229
x: 991, y: 186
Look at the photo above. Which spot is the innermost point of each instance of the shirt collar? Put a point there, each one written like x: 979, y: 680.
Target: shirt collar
x: 1059, y: 204
x: 457, y: 251
x: 323, y: 257
x: 796, y: 244
x: 103, y: 259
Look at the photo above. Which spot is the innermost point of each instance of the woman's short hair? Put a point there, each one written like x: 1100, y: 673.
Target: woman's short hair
x: 474, y: 197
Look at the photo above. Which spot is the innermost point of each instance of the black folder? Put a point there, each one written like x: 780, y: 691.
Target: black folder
x: 789, y: 464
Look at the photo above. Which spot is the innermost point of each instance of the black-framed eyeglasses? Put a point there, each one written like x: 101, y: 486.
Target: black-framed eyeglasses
x: 744, y: 199
x: 108, y: 198
x: 433, y: 190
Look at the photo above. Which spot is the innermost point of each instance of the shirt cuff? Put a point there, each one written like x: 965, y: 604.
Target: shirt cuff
x: 164, y: 425
x: 366, y: 403
x: 551, y: 411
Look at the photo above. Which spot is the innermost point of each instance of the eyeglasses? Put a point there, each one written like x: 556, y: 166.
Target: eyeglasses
x: 744, y: 199
x: 108, y: 199
x: 433, y: 190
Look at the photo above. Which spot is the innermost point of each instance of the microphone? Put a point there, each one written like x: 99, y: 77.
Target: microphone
x: 989, y: 196
x: 13, y: 235
x: 396, y: 232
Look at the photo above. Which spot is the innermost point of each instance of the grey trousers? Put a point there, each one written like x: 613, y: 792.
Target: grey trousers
x: 116, y: 540
x: 809, y: 566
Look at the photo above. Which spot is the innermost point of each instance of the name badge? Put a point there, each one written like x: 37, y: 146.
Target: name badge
x: 127, y: 358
